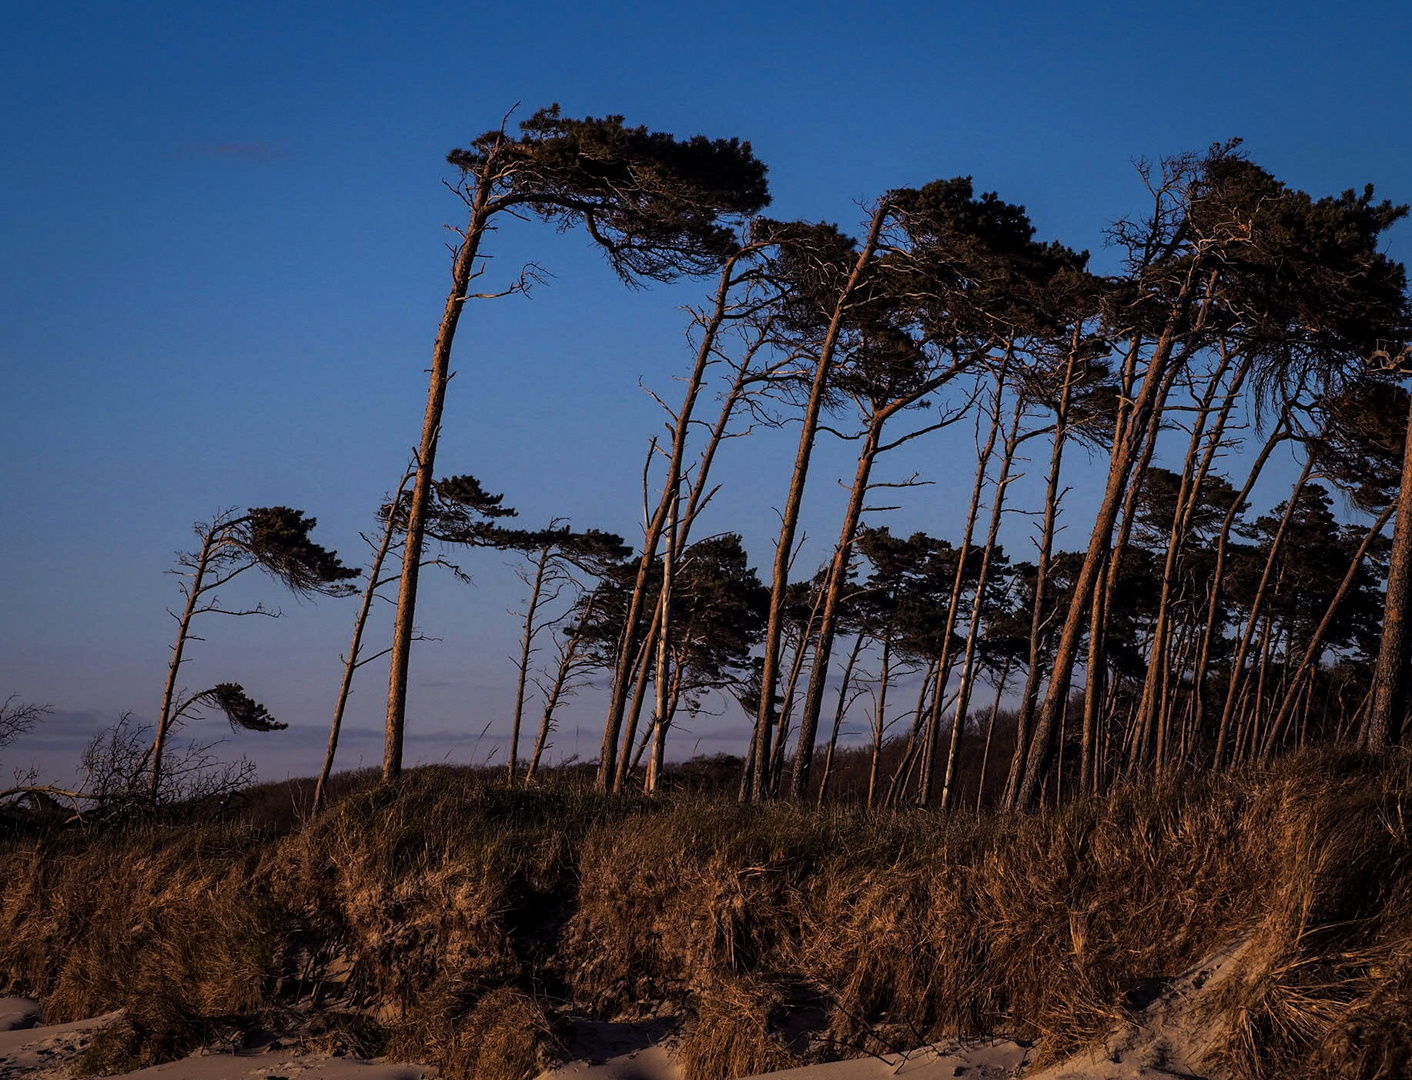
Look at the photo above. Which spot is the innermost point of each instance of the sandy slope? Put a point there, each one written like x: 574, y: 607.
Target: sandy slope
x: 47, y: 1052
x: 1166, y: 1040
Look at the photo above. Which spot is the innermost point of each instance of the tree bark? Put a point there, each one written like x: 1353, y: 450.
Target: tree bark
x: 1238, y: 664
x: 1066, y: 655
x: 784, y: 550
x: 352, y: 663
x: 1388, y: 712
x: 421, y: 488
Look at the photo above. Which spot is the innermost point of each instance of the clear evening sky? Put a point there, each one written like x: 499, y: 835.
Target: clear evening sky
x: 223, y: 263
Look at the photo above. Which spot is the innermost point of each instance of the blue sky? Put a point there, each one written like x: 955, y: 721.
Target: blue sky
x: 222, y: 257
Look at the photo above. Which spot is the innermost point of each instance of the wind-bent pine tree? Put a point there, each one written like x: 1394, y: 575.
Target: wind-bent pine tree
x: 1230, y: 251
x: 652, y: 202
x: 273, y: 538
x: 1387, y: 716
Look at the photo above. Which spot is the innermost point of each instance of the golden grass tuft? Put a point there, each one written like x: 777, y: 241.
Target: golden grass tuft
x: 732, y: 1035
x: 506, y: 1035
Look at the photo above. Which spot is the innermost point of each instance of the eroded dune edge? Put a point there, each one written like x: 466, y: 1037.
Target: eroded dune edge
x: 1252, y: 926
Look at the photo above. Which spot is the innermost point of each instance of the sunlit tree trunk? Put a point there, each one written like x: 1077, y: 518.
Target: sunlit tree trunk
x: 968, y: 662
x: 1388, y: 711
x: 541, y: 564
x: 1066, y: 655
x: 932, y: 735
x: 353, y: 661
x: 1038, y: 615
x: 209, y: 543
x: 1188, y: 495
x: 1253, y: 621
x: 608, y: 771
x: 1280, y: 433
x: 1308, y: 663
x: 789, y: 519
x: 402, y: 630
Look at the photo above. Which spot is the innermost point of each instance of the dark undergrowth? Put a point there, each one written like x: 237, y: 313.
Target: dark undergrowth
x: 450, y: 918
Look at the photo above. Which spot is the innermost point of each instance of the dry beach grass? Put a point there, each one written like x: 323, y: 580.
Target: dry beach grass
x: 451, y: 919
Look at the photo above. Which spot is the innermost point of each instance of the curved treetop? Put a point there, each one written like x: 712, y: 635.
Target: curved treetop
x: 652, y: 201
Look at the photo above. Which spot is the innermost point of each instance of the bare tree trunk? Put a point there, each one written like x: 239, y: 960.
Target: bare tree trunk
x: 664, y: 639
x: 789, y: 519
x: 823, y: 646
x: 608, y: 770
x: 902, y: 775
x: 164, y: 718
x: 642, y: 666
x: 421, y: 488
x: 968, y: 663
x: 1038, y: 618
x: 932, y: 735
x: 1278, y: 435
x: 1309, y: 661
x: 526, y: 650
x: 990, y: 731
x: 1066, y: 655
x: 1238, y: 664
x: 1389, y: 708
x: 879, y: 723
x: 853, y: 654
x: 1188, y: 494
x: 556, y: 692
x: 353, y: 661
x: 1090, y: 774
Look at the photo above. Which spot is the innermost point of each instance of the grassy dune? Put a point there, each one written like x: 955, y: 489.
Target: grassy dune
x: 448, y: 917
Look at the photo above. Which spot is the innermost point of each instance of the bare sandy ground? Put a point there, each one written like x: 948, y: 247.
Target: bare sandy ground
x: 1165, y: 1040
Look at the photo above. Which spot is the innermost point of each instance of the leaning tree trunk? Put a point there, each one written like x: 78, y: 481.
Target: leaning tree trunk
x: 556, y: 691
x: 1389, y: 708
x: 1309, y: 660
x: 879, y: 721
x: 828, y: 618
x: 164, y: 718
x: 789, y: 520
x: 858, y: 643
x: 662, y: 678
x: 1038, y: 616
x: 968, y: 662
x: 421, y: 489
x: 1188, y: 494
x: 1238, y: 664
x: 643, y: 668
x: 1203, y: 661
x: 1066, y: 655
x: 526, y: 651
x: 608, y: 770
x: 353, y: 661
x: 932, y: 734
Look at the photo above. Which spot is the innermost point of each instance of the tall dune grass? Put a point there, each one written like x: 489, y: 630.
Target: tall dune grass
x: 450, y: 918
